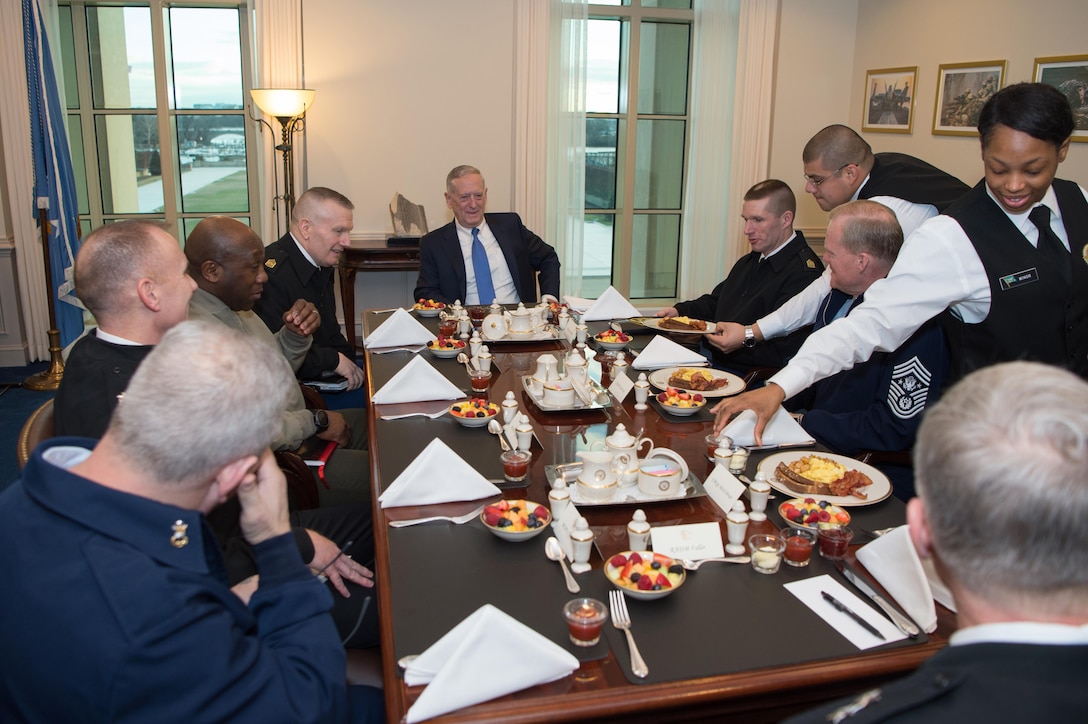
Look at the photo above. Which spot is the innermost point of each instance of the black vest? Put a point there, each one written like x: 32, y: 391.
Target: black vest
x: 1033, y: 314
x: 911, y: 179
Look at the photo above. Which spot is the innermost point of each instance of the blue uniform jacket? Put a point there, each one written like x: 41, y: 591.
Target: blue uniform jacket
x: 116, y: 608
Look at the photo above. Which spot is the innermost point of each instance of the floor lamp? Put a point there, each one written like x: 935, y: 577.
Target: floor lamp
x: 289, y: 106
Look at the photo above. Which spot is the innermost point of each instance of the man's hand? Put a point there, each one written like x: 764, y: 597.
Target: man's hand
x: 667, y: 312
x: 729, y: 337
x: 302, y: 318
x: 263, y: 496
x: 338, y: 429
x: 343, y: 567
x: 764, y: 402
x: 350, y: 371
x: 245, y: 588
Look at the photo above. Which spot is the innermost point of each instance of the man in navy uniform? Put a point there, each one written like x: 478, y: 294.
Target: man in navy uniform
x: 1002, y: 502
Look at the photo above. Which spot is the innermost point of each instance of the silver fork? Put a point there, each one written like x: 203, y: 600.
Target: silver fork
x: 621, y: 619
x: 455, y: 519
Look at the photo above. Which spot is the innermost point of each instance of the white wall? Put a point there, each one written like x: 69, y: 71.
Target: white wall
x: 406, y: 91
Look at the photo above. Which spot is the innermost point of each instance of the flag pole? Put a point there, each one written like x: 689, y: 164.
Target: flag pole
x: 48, y: 379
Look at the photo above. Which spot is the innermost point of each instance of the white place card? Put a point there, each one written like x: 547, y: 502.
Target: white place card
x: 809, y: 591
x: 564, y: 526
x: 570, y: 331
x: 693, y: 541
x: 621, y: 387
x: 723, y: 488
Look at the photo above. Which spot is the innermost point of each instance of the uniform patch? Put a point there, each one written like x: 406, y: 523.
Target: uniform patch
x: 270, y: 263
x: 909, y: 388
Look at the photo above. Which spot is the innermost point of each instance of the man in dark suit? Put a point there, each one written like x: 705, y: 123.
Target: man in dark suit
x: 479, y: 258
x: 301, y: 265
x: 1002, y: 501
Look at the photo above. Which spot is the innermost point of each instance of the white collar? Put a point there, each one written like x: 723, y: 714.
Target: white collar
x: 1022, y: 632
x: 304, y: 252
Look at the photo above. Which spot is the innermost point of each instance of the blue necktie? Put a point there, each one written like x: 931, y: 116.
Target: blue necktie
x: 485, y: 289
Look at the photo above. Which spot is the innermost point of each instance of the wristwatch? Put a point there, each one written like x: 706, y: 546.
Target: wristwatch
x: 321, y: 420
x: 749, y: 337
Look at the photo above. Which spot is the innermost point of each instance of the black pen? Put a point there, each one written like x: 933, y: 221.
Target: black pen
x: 321, y: 573
x: 839, y: 605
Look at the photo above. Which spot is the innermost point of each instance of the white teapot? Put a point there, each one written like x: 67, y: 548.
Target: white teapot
x: 494, y: 326
x: 520, y: 321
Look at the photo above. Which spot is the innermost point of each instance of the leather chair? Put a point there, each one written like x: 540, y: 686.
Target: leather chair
x: 38, y: 427
x: 301, y: 486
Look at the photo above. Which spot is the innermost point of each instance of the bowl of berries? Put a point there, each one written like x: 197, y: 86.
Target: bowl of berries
x: 516, y: 520
x: 644, y: 575
x: 446, y: 347
x: 428, y: 307
x: 610, y: 339
x: 476, y: 412
x: 680, y: 402
x: 812, y: 514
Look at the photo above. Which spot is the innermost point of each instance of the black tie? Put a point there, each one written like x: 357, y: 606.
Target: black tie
x: 1049, y: 244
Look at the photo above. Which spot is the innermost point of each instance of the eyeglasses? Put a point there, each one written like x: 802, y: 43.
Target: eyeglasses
x: 817, y: 180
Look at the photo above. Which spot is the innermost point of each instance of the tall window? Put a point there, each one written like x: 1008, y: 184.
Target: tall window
x: 639, y: 55
x: 156, y: 113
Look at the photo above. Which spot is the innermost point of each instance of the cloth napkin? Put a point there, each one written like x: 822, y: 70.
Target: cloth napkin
x: 662, y: 352
x: 417, y: 381
x: 610, y: 305
x: 781, y: 430
x: 892, y: 560
x: 488, y: 655
x: 401, y: 329
x: 437, y: 475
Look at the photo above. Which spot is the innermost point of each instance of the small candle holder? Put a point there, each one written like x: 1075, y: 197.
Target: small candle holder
x: 739, y: 460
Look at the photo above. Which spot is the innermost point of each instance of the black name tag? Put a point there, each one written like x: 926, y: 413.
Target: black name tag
x: 1019, y: 279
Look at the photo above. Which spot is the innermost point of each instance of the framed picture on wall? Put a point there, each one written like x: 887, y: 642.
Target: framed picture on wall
x: 962, y: 90
x: 1069, y: 74
x: 889, y: 100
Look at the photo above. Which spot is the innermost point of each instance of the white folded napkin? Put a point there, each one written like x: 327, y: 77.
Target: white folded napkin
x: 892, y: 560
x: 399, y: 330
x: 941, y: 592
x: 662, y: 352
x: 437, y: 475
x: 781, y: 430
x: 417, y: 381
x: 610, y: 305
x: 488, y: 655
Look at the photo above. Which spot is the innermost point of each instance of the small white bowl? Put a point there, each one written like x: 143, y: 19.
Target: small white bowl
x: 522, y: 535
x: 428, y: 312
x: 681, y: 411
x: 442, y: 353
x: 471, y: 421
x: 610, y: 346
x: 613, y: 574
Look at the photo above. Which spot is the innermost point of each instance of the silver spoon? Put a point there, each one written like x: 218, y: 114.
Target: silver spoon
x: 466, y: 361
x: 554, y: 551
x: 694, y: 565
x: 495, y: 427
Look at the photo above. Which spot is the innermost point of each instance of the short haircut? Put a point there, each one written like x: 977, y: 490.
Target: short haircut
x: 458, y: 171
x: 1037, y: 109
x: 318, y: 195
x: 111, y: 258
x: 206, y: 395
x: 780, y: 195
x: 837, y: 146
x: 1000, y: 464
x: 871, y: 228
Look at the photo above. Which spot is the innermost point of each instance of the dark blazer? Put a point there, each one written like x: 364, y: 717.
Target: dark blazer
x: 442, y: 267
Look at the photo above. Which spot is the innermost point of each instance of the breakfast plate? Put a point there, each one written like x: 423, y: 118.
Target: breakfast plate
x: 655, y: 323
x: 878, y: 491
x: 735, y: 385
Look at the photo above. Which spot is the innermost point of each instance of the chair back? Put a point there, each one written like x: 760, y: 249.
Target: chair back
x: 37, y: 428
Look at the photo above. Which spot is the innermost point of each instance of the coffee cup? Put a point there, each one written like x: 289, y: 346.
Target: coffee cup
x: 662, y: 473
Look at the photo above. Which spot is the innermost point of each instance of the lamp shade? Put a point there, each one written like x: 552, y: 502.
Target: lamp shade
x: 283, y: 102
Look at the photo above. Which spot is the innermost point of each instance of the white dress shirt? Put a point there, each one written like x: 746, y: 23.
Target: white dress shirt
x: 937, y: 269
x: 505, y: 291
x: 1021, y: 632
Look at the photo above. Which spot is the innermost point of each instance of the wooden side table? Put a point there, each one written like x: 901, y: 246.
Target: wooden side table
x: 370, y: 255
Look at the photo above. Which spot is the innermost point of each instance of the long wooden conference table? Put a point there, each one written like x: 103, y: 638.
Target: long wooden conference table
x: 730, y: 642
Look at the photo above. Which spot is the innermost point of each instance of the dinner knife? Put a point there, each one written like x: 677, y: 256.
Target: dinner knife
x: 902, y: 622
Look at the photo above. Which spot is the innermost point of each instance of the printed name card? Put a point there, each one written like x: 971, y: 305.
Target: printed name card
x: 723, y: 488
x: 570, y: 330
x: 694, y: 540
x: 621, y: 387
x: 563, y: 524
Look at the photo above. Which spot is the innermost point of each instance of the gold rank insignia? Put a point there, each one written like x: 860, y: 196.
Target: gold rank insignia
x: 811, y: 264
x: 270, y: 263
x: 180, y: 536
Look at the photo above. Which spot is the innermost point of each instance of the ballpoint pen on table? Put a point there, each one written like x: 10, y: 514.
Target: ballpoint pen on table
x: 840, y: 606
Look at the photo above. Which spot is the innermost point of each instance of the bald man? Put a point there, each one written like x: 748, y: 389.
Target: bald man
x: 300, y: 266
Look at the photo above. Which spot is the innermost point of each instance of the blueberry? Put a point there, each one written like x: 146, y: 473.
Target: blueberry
x: 531, y: 520
x: 657, y: 587
x: 676, y: 568
x: 655, y: 565
x: 505, y: 523
x: 823, y: 504
x: 635, y: 576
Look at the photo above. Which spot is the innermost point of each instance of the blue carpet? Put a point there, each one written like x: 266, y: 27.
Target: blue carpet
x: 16, y: 405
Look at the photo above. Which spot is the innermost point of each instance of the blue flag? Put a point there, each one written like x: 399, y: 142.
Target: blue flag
x: 54, y: 182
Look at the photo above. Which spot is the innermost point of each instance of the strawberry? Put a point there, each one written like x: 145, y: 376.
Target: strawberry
x: 636, y: 558
x: 645, y: 584
x: 663, y: 581
x: 541, y: 512
x: 618, y: 561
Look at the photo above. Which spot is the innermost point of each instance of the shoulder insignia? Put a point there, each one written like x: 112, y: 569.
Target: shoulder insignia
x: 909, y: 389
x: 270, y: 263
x: 846, y: 711
x: 810, y: 264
